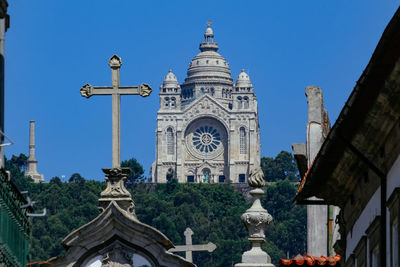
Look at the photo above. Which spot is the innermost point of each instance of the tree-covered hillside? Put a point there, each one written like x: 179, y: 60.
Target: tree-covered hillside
x: 212, y: 211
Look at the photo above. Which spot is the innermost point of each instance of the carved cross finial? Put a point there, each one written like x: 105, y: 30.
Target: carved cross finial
x: 188, y: 236
x: 209, y: 23
x: 115, y: 61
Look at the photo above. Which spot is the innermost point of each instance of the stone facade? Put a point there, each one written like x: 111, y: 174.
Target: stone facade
x: 207, y: 127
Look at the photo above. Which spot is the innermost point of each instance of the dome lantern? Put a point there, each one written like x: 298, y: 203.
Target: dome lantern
x: 209, y: 66
x: 209, y: 34
x: 208, y: 44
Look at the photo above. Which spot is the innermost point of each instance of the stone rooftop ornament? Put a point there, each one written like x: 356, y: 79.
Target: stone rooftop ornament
x: 116, y: 91
x: 116, y: 238
x: 116, y: 176
x: 256, y: 219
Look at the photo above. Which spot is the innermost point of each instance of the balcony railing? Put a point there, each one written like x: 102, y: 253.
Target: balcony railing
x: 15, y: 227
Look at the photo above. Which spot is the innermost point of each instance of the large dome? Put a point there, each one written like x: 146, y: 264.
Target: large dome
x: 209, y: 66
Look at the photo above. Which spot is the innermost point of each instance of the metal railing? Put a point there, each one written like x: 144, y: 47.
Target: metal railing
x: 15, y: 227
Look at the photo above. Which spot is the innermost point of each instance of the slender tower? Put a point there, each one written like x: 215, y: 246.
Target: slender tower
x: 32, y: 162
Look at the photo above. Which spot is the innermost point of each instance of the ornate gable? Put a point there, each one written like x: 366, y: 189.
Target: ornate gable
x: 116, y: 237
x: 206, y: 105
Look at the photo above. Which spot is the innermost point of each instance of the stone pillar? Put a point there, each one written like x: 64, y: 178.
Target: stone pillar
x: 32, y: 162
x: 256, y: 219
x: 317, y: 129
x: 317, y: 215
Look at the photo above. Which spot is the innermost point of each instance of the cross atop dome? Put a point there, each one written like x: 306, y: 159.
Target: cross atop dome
x: 209, y: 23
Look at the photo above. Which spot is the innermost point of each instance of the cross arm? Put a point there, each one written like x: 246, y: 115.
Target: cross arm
x: 210, y: 247
x: 143, y: 90
x: 88, y: 90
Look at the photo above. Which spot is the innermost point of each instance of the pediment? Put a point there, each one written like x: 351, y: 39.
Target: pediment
x: 206, y: 105
x: 117, y: 225
x: 206, y: 165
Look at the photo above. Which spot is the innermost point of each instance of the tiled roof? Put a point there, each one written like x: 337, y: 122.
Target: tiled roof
x: 309, y: 260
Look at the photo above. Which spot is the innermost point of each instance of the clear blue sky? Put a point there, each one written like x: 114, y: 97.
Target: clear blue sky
x: 55, y: 47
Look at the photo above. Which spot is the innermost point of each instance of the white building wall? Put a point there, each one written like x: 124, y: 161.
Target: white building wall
x: 373, y: 209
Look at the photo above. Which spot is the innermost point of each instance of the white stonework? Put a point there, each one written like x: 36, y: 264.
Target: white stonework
x: 207, y: 127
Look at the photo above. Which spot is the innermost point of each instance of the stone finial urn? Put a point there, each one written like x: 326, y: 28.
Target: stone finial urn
x: 256, y: 219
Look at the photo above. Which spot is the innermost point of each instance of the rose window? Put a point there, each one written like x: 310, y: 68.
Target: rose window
x: 206, y: 139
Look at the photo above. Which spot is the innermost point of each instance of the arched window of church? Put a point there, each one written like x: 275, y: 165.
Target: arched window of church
x: 230, y: 94
x: 173, y: 102
x: 170, y: 141
x: 166, y: 102
x: 212, y: 91
x: 242, y: 132
x: 246, y: 102
x: 239, y: 102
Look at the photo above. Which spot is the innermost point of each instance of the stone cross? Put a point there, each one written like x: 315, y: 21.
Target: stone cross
x: 115, y: 91
x: 189, y: 247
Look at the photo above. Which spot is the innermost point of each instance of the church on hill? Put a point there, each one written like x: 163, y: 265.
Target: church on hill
x: 207, y: 127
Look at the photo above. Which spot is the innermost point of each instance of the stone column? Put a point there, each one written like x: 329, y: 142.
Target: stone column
x: 256, y: 219
x: 32, y: 162
x: 317, y: 215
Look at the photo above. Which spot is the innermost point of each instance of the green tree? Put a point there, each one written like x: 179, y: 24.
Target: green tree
x: 136, y: 174
x: 212, y: 211
x: 283, y: 166
x: 77, y: 179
